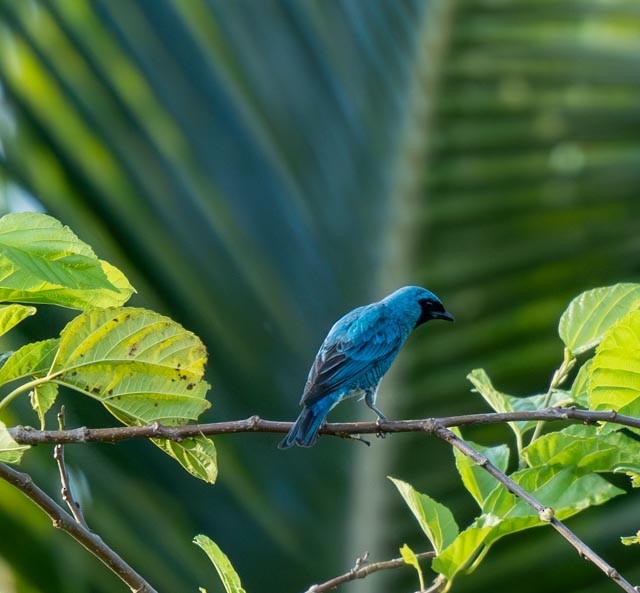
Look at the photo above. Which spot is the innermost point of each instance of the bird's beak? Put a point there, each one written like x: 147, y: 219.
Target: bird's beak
x: 446, y: 316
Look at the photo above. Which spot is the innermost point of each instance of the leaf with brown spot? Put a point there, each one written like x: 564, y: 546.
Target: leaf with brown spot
x: 95, y: 358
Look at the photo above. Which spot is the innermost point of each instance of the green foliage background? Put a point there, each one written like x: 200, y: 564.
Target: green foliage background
x: 257, y: 169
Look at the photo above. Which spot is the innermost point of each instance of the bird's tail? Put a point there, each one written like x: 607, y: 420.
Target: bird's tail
x: 304, y: 431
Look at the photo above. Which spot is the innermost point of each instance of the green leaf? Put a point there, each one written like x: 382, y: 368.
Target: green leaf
x: 42, y: 261
x: 630, y: 540
x: 10, y: 451
x: 11, y: 315
x: 614, y: 381
x: 631, y: 472
x: 42, y: 397
x: 409, y: 557
x: 197, y: 455
x: 580, y: 386
x: 466, y: 548
x: 228, y: 575
x: 477, y: 481
x: 40, y: 245
x: 98, y: 298
x: 32, y: 360
x: 436, y: 520
x: 501, y: 402
x: 584, y: 450
x: 562, y: 489
x: 591, y: 314
x: 141, y: 365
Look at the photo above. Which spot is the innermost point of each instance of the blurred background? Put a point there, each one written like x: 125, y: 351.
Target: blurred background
x: 259, y: 167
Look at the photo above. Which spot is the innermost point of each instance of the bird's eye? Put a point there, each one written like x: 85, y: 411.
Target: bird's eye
x: 432, y: 309
x: 430, y: 305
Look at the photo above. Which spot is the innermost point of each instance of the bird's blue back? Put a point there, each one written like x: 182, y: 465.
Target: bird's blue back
x: 358, y: 351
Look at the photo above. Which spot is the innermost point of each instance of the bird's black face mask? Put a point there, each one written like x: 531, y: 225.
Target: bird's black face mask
x: 432, y: 310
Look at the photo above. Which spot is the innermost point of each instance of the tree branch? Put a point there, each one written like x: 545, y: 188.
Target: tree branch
x: 545, y: 513
x: 65, y: 490
x: 26, y: 435
x: 433, y: 426
x: 64, y: 521
x: 361, y: 570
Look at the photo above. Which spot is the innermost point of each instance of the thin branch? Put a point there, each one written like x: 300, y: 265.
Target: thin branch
x: 65, y: 491
x: 26, y: 435
x: 438, y: 427
x: 559, y: 377
x: 64, y: 521
x: 545, y: 513
x: 362, y: 570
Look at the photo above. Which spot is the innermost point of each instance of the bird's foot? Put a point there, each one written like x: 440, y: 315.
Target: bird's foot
x: 379, y: 422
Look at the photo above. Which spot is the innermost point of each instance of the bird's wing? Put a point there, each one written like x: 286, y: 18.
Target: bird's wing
x: 356, y: 344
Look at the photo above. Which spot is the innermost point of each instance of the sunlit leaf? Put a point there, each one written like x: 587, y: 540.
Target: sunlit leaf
x: 11, y: 315
x: 10, y: 451
x: 40, y: 248
x: 436, y: 520
x: 32, y: 360
x: 580, y: 386
x: 410, y: 558
x: 501, y: 402
x: 197, y: 455
x: 42, y: 397
x: 614, y: 381
x: 591, y: 314
x: 632, y: 472
x: 42, y: 261
x: 561, y: 488
x: 503, y: 514
x: 227, y: 573
x: 583, y: 449
x: 631, y: 540
x: 477, y: 481
x: 141, y: 365
x: 457, y: 558
x: 98, y: 298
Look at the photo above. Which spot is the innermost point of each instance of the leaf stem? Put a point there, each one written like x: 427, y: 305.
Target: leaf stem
x: 21, y: 389
x: 559, y: 377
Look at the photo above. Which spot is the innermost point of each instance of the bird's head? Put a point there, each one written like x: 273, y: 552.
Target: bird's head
x: 420, y: 303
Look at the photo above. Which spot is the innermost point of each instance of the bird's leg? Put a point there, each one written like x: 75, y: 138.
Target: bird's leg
x: 370, y: 400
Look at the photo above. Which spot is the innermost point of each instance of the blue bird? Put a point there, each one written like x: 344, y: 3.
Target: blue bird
x: 355, y: 355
